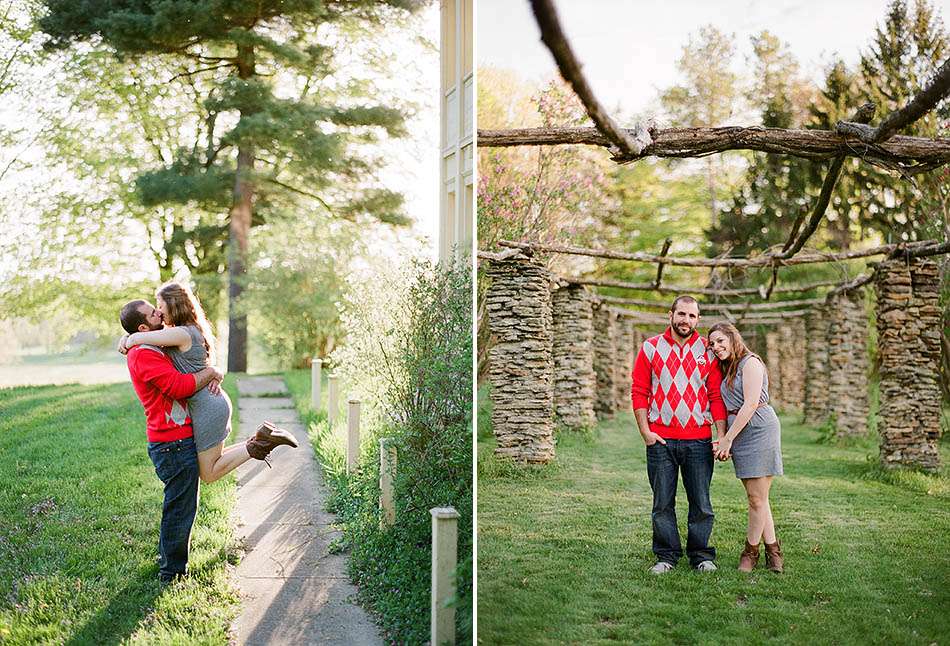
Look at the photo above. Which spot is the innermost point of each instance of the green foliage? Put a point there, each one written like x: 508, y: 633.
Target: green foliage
x: 80, y: 527
x: 422, y: 364
x: 294, y: 284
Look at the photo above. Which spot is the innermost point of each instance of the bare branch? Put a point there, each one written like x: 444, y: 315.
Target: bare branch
x: 907, y: 154
x: 924, y: 102
x: 659, y: 267
x: 553, y: 36
x: 863, y: 115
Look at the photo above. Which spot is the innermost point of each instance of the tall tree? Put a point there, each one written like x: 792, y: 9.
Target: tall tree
x: 773, y: 194
x: 267, y: 126
x: 708, y: 96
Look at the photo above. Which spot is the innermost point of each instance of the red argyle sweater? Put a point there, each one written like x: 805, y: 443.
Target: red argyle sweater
x: 162, y: 391
x: 679, y: 387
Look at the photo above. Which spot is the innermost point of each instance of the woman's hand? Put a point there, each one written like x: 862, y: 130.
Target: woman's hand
x: 121, y: 348
x: 724, y: 452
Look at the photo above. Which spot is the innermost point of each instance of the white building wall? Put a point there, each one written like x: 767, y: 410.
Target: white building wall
x: 457, y: 191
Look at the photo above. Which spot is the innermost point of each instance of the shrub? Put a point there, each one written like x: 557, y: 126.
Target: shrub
x: 413, y: 361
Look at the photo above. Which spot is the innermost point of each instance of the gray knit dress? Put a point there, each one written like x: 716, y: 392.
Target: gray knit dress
x: 757, y: 449
x: 210, y: 414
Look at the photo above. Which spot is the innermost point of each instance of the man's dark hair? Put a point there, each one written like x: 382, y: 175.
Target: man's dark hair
x: 131, y: 316
x: 683, y: 298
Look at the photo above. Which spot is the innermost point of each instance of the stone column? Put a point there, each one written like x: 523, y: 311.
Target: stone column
x: 792, y: 356
x: 773, y: 364
x: 520, y: 365
x: 848, y: 364
x: 575, y: 384
x: 605, y: 334
x: 909, y: 328
x: 816, y: 363
x: 625, y: 354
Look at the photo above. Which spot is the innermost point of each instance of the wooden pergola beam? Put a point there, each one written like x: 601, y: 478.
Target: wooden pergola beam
x: 702, y: 291
x: 716, y: 307
x: 908, y: 154
x: 914, y: 249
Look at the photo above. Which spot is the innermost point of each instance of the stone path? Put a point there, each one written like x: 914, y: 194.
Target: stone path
x: 293, y: 591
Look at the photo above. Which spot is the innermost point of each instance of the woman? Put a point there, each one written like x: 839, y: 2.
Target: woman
x: 753, y: 440
x: 189, y: 344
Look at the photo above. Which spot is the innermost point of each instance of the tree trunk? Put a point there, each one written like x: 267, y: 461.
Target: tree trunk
x: 239, y: 230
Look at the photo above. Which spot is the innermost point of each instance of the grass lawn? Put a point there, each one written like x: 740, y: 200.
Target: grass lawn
x: 563, y: 550
x: 79, y: 512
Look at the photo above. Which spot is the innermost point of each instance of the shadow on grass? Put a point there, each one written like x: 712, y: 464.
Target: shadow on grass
x: 117, y: 621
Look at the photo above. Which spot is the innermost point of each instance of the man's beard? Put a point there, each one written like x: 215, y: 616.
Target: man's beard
x: 155, y: 327
x: 682, y: 335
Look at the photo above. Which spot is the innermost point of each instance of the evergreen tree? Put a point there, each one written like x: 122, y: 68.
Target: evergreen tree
x: 774, y: 194
x: 267, y: 125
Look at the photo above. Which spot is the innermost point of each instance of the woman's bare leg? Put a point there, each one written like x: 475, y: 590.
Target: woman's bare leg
x: 760, y: 514
x: 217, y: 461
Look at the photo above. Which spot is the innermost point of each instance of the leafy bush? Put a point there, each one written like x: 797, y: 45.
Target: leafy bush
x: 412, y: 359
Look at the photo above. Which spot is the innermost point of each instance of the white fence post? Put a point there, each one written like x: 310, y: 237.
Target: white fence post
x: 333, y: 405
x: 387, y: 473
x: 316, y: 367
x: 444, y: 561
x: 353, y: 435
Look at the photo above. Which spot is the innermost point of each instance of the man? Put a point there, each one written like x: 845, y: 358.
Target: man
x: 675, y: 393
x: 171, y: 445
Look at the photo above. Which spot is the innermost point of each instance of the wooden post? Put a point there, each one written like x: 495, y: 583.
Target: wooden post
x: 352, y: 435
x: 444, y: 561
x: 387, y: 474
x: 316, y: 367
x: 333, y: 405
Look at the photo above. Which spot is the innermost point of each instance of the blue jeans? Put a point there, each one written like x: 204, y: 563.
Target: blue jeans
x: 176, y: 465
x: 695, y: 459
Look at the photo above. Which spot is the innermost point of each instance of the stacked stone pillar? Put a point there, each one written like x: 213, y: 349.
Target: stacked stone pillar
x: 773, y: 364
x: 848, y: 364
x: 605, y: 348
x: 575, y: 384
x: 792, y: 357
x: 909, y: 330
x: 625, y: 354
x: 521, y: 369
x: 816, y: 363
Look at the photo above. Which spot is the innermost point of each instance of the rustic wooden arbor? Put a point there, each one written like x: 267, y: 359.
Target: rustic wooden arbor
x: 563, y: 354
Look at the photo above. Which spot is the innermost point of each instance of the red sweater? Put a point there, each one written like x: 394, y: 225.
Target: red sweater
x: 679, y: 387
x: 161, y: 389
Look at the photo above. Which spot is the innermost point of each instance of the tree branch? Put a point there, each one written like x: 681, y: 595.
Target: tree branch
x: 924, y: 102
x: 907, y: 154
x: 553, y: 37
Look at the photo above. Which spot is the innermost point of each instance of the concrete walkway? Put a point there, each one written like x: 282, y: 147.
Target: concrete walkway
x: 292, y: 590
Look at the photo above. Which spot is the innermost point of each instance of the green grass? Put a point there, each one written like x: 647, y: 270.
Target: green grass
x: 563, y: 550
x: 79, y: 514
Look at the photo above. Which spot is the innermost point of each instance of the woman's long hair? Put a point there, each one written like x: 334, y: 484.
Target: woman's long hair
x: 184, y: 309
x: 730, y: 367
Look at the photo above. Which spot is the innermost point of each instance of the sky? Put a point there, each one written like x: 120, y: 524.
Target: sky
x: 629, y: 48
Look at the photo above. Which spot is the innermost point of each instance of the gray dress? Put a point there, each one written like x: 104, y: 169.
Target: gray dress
x: 757, y: 449
x: 210, y: 414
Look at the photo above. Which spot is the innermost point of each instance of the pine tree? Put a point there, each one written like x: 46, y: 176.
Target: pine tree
x: 263, y: 62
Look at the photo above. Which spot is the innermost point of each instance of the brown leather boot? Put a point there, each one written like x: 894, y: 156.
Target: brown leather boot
x: 773, y: 556
x: 267, y: 438
x: 749, y: 557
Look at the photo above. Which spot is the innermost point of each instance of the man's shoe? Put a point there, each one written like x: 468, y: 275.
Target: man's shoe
x: 773, y: 557
x: 267, y: 438
x: 749, y: 557
x: 707, y: 566
x: 661, y: 567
